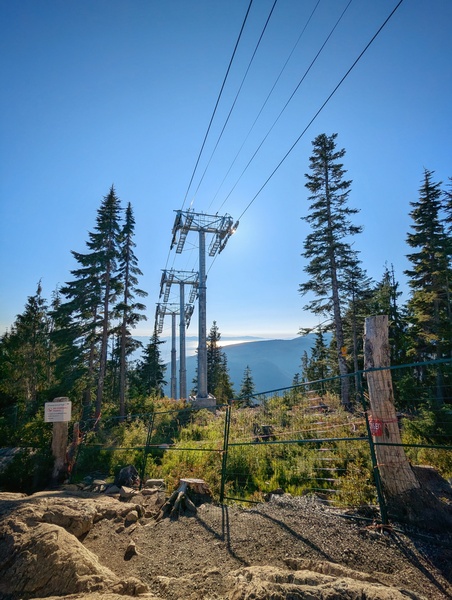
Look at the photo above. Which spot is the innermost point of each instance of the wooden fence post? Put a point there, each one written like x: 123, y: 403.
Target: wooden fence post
x: 395, y: 470
x: 59, y: 445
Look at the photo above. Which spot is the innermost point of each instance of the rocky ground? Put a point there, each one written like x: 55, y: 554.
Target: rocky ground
x: 74, y: 544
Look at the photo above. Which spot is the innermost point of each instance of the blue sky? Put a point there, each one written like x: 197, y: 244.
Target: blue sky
x: 122, y: 92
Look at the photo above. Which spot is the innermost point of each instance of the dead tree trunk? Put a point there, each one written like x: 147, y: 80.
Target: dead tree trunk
x: 395, y: 470
x: 407, y: 500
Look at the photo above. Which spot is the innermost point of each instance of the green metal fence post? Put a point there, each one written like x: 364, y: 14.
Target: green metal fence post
x: 146, y: 448
x: 227, y: 425
x: 376, y: 471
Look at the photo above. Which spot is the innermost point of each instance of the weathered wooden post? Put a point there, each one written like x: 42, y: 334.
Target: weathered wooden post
x: 58, y: 412
x: 408, y: 497
x: 395, y: 470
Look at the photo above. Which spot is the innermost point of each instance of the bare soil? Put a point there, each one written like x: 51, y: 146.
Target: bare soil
x: 286, y: 532
x: 286, y: 548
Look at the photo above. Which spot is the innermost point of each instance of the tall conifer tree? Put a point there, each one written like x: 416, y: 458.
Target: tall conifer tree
x: 104, y: 244
x: 129, y: 309
x: 448, y: 212
x: 214, y: 356
x: 218, y: 380
x: 86, y: 314
x: 328, y: 248
x: 25, y: 354
x: 150, y: 372
x: 359, y: 288
x: 224, y: 391
x: 75, y: 334
x: 317, y: 366
x: 385, y: 301
x: 448, y: 226
x: 430, y: 275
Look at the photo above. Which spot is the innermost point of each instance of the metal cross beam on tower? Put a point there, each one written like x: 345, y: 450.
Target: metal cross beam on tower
x: 185, y: 277
x: 172, y: 309
x: 222, y: 227
x: 182, y: 278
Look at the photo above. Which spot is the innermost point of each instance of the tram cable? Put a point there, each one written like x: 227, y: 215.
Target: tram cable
x: 321, y: 108
x: 235, y: 99
x: 217, y: 102
x: 288, y: 102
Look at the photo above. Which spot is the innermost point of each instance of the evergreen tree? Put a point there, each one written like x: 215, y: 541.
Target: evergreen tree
x: 112, y: 374
x: 214, y: 356
x: 448, y: 214
x: 150, y: 372
x: 129, y: 310
x: 223, y: 391
x: 359, y: 288
x: 328, y: 248
x: 247, y: 387
x: 447, y: 205
x: 76, y: 322
x: 430, y: 276
x: 384, y: 301
x: 296, y: 378
x: 25, y: 355
x: 218, y: 380
x: 104, y: 244
x: 84, y: 320
x: 318, y: 365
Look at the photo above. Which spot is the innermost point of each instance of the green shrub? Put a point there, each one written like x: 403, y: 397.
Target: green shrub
x: 104, y: 453
x: 429, y: 428
x: 356, y: 488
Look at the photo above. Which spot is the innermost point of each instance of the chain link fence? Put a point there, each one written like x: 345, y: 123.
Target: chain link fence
x: 296, y: 440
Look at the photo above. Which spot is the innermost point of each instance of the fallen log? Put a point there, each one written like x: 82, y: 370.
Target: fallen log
x: 179, y: 500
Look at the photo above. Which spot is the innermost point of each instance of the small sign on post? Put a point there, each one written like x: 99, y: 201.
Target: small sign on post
x: 58, y: 412
x: 376, y: 426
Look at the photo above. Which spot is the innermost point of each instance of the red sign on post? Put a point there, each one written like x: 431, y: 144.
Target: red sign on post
x: 376, y: 427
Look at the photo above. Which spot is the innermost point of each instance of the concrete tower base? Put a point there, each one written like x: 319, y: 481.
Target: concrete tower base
x: 209, y: 402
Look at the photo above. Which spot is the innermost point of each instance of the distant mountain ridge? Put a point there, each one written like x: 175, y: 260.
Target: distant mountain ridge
x: 273, y: 363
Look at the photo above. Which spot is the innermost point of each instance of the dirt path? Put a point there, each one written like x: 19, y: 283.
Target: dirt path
x: 276, y: 549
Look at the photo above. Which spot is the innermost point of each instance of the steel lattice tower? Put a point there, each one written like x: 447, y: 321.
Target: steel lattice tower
x: 185, y: 311
x: 222, y: 228
x: 172, y: 309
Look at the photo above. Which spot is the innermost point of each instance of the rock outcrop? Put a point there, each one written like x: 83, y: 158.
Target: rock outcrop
x: 40, y: 550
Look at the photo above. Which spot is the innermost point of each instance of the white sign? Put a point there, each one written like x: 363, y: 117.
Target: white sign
x: 57, y: 412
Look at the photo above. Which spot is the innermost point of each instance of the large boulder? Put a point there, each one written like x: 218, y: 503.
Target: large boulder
x: 41, y: 555
x: 261, y: 583
x: 45, y: 560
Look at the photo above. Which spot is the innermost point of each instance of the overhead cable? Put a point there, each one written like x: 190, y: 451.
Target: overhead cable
x: 288, y: 101
x: 217, y: 102
x: 264, y: 104
x: 321, y: 108
x: 236, y: 96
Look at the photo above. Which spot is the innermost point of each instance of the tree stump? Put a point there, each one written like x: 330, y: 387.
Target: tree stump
x: 179, y: 501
